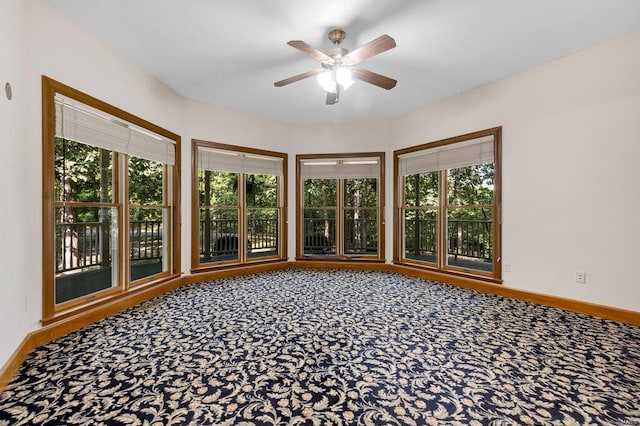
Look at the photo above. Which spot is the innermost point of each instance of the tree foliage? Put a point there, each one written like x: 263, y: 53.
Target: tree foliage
x: 84, y: 173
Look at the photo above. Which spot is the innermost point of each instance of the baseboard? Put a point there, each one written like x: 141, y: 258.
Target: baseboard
x: 70, y: 324
x: 235, y: 271
x: 14, y: 362
x: 51, y: 332
x: 587, y: 308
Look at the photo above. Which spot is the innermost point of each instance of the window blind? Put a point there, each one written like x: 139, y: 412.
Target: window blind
x: 340, y: 168
x: 238, y: 162
x: 82, y: 123
x: 453, y: 156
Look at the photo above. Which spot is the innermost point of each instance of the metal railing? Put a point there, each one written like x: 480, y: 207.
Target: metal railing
x: 88, y: 244
x: 319, y: 236
x: 467, y: 238
x: 360, y: 236
x: 220, y: 236
x: 78, y: 245
x: 145, y: 240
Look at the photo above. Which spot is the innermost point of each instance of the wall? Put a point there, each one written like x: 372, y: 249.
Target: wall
x: 16, y: 259
x: 570, y: 183
x: 215, y: 124
x: 332, y: 138
x: 61, y: 49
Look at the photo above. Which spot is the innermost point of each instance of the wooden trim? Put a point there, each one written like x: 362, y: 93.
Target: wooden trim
x: 14, y: 362
x: 448, y: 141
x: 339, y: 207
x: 196, y: 267
x: 75, y: 322
x: 398, y: 238
x: 65, y: 326
x: 236, y: 271
x: 587, y: 308
x: 48, y: 196
x: 50, y: 310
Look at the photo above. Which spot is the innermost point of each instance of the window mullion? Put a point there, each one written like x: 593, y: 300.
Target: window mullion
x: 242, y: 217
x: 442, y: 219
x: 340, y: 212
x: 122, y: 194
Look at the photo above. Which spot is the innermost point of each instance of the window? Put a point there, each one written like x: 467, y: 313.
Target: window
x: 239, y: 205
x: 110, y: 207
x: 340, y: 206
x: 448, y: 204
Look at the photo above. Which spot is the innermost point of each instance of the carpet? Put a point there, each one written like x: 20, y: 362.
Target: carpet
x: 332, y: 347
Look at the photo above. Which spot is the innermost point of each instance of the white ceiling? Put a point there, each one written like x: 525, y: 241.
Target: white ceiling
x: 229, y: 53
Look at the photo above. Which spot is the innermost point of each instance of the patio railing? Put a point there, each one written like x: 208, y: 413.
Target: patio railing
x: 85, y: 244
x: 220, y: 237
x: 467, y: 238
x: 80, y: 245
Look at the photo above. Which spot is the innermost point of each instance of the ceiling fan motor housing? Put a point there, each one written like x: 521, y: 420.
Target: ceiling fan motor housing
x: 336, y: 36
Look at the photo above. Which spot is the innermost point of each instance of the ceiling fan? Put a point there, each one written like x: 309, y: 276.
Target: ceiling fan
x: 338, y: 65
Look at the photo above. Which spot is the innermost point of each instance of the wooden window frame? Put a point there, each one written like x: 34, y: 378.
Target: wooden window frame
x: 282, y: 206
x: 495, y: 275
x: 52, y: 312
x: 380, y: 257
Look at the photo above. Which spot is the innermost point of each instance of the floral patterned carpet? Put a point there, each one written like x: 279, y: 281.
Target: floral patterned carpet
x: 332, y: 348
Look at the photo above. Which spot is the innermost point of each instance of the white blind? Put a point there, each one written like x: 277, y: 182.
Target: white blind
x: 453, y: 156
x: 82, y: 123
x: 340, y: 168
x: 238, y: 162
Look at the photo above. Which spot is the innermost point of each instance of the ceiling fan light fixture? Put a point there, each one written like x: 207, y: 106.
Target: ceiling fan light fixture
x: 337, y: 74
x: 343, y: 77
x: 327, y: 81
x: 330, y: 79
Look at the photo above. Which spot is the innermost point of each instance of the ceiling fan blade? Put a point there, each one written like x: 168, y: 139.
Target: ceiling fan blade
x: 297, y: 78
x: 309, y: 50
x: 332, y: 98
x: 374, y: 47
x: 373, y: 78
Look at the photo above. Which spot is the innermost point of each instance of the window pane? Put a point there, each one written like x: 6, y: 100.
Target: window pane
x: 262, y: 191
x: 470, y: 243
x: 320, y: 192
x: 148, y: 229
x: 361, y: 231
x: 472, y: 185
x: 218, y: 188
x: 262, y: 232
x: 421, y: 190
x: 420, y: 235
x: 320, y: 231
x: 361, y: 192
x: 82, y: 172
x: 218, y: 235
x: 86, y: 251
x: 146, y: 182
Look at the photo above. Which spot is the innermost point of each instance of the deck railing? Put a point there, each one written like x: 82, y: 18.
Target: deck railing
x: 467, y: 238
x: 360, y: 236
x: 222, y: 238
x: 81, y: 245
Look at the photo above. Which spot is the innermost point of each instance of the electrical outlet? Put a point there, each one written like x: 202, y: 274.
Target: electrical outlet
x: 506, y: 267
x: 581, y: 277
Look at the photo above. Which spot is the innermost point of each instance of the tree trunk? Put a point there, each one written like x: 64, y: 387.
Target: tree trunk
x: 416, y: 226
x: 207, y: 214
x: 105, y: 222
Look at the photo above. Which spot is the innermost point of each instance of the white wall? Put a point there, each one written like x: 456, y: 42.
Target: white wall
x: 571, y: 140
x: 333, y: 138
x: 62, y: 50
x: 216, y: 124
x: 16, y: 254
